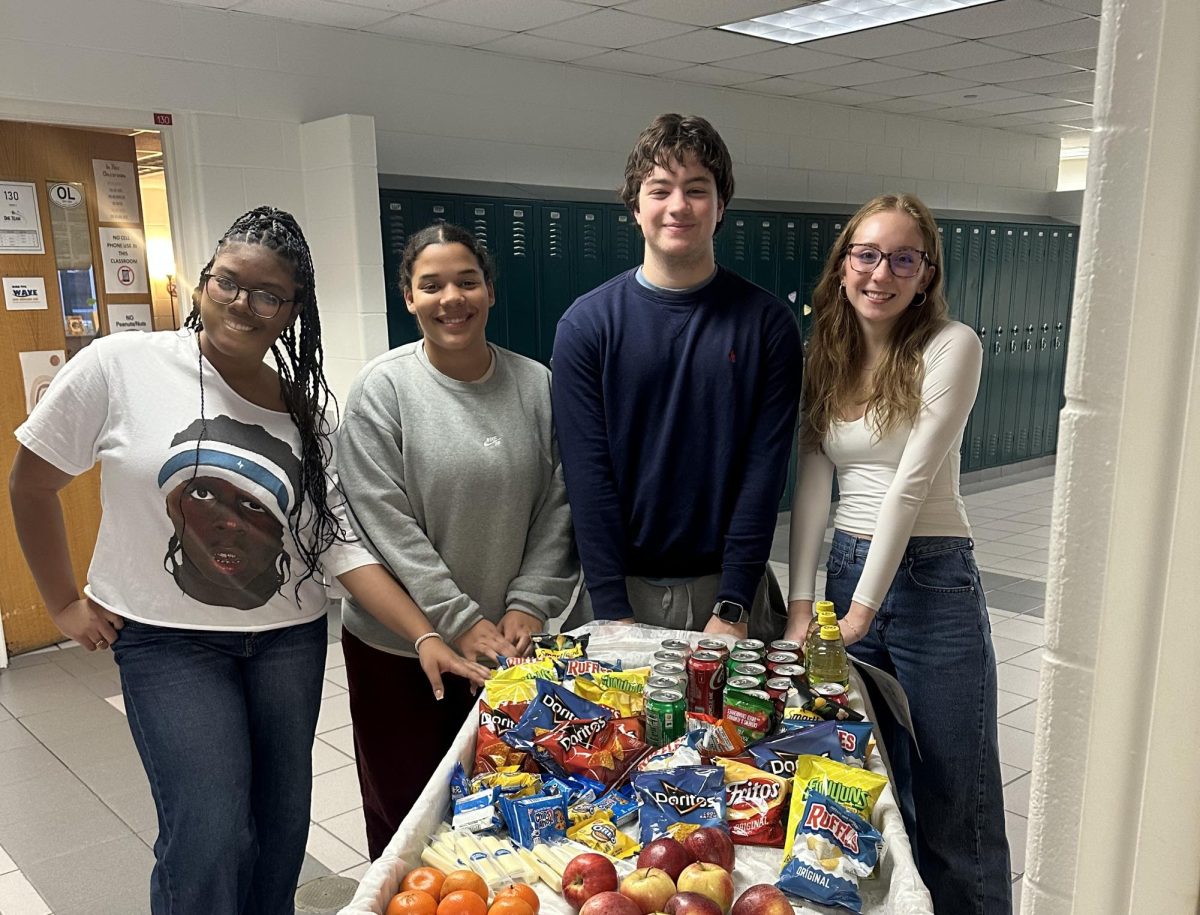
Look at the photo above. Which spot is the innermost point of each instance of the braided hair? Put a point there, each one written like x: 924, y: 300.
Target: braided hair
x: 299, y: 360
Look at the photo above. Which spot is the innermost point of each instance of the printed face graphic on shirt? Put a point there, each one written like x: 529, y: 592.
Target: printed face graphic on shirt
x: 228, y: 487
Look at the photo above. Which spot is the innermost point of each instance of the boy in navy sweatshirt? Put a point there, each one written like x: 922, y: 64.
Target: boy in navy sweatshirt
x: 675, y: 389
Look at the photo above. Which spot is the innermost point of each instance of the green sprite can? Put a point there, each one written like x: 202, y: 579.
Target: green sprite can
x: 665, y: 716
x: 740, y: 657
x: 748, y: 669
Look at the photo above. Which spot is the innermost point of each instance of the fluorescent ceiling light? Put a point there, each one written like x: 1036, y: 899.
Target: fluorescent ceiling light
x: 825, y: 18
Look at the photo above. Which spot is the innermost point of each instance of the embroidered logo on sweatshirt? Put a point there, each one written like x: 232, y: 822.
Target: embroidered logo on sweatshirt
x: 491, y: 441
x: 732, y: 356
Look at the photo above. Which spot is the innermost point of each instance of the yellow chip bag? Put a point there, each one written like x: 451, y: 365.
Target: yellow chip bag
x: 622, y: 690
x: 853, y: 788
x: 512, y: 782
x: 600, y: 834
x: 506, y: 691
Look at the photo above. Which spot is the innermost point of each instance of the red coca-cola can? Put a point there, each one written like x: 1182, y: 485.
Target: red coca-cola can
x: 778, y: 689
x: 717, y: 645
x: 795, y: 672
x: 776, y: 659
x: 706, y: 680
x: 785, y: 645
x: 833, y: 692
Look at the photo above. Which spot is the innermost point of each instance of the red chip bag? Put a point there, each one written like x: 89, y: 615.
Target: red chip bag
x: 491, y: 753
x: 601, y: 749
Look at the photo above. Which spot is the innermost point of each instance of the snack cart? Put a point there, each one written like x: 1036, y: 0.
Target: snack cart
x: 896, y: 889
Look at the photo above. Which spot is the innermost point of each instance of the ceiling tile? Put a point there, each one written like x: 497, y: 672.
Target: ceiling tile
x: 955, y: 114
x: 784, y: 85
x: 526, y: 45
x: 1021, y: 103
x: 703, y: 47
x: 1085, y: 58
x: 1067, y: 36
x: 905, y: 105
x: 998, y: 120
x: 889, y: 39
x: 395, y: 6
x: 611, y: 29
x: 924, y: 84
x: 1076, y: 95
x: 998, y: 18
x: 438, y: 31
x: 857, y: 74
x: 787, y: 60
x: 626, y: 62
x: 847, y: 97
x: 706, y: 12
x: 320, y: 12
x: 970, y: 96
x: 1021, y: 68
x: 1058, y: 115
x: 1080, y: 6
x: 512, y: 15
x: 713, y: 76
x: 1076, y: 79
x: 951, y: 57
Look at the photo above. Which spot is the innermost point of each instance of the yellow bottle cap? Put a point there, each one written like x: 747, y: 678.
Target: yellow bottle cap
x: 830, y: 632
x: 824, y: 605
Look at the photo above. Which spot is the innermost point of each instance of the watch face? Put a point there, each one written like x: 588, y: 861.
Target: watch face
x: 729, y: 611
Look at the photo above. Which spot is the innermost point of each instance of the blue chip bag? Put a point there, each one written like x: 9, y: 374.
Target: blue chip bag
x: 478, y: 812
x: 832, y: 848
x: 677, y: 802
x: 460, y: 785
x: 854, y: 737
x: 777, y: 755
x: 552, y: 705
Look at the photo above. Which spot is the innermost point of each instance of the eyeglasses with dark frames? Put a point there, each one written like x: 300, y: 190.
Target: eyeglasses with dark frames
x: 224, y: 291
x: 905, y: 263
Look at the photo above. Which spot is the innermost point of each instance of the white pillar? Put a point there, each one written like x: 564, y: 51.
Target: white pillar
x: 1115, y: 809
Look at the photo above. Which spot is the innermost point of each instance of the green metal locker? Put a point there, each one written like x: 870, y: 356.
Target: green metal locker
x: 1027, y: 352
x: 1059, y: 326
x: 1041, y: 340
x: 396, y: 214
x: 954, y: 252
x: 1014, y: 317
x: 481, y: 219
x: 588, y: 269
x: 765, y: 252
x: 555, y: 284
x: 516, y: 256
x: 999, y: 259
x: 734, y: 245
x: 431, y: 208
x: 622, y: 241
x: 971, y: 291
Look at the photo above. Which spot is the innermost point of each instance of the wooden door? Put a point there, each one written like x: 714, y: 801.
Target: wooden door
x: 45, y: 155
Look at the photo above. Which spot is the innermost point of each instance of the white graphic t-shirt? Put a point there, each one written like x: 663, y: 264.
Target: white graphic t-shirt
x: 194, y: 528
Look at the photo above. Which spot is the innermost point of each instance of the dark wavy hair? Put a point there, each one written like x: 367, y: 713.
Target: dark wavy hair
x: 300, y: 361
x: 666, y: 143
x: 444, y: 233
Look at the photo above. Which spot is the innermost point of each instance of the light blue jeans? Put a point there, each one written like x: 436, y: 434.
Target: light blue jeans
x: 932, y: 633
x: 224, y: 723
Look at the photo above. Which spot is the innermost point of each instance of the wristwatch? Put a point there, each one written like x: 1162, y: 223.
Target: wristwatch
x: 729, y: 611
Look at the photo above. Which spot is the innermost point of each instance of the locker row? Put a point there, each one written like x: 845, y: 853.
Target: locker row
x: 1012, y: 282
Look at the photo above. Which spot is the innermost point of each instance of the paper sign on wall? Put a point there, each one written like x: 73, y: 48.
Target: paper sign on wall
x: 20, y: 222
x: 130, y: 317
x: 38, y: 369
x: 25, y: 293
x: 116, y: 190
x: 124, y: 254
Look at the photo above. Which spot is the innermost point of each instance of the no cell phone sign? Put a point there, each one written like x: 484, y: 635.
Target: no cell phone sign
x: 125, y: 275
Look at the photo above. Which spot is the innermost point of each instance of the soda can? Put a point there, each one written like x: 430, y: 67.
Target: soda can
x: 776, y: 659
x: 665, y: 716
x: 794, y: 672
x: 675, y: 645
x: 832, y: 692
x: 785, y: 645
x: 717, y: 645
x: 668, y: 669
x: 667, y: 654
x: 748, y: 669
x: 749, y: 645
x: 741, y: 657
x: 745, y: 684
x: 663, y: 682
x: 706, y: 680
x: 778, y: 689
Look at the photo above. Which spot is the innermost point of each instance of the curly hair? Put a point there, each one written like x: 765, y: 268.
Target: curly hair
x: 299, y: 359
x: 834, y: 359
x: 444, y: 233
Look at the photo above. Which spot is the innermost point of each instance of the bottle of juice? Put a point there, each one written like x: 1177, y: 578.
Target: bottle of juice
x: 823, y: 616
x: 827, y: 663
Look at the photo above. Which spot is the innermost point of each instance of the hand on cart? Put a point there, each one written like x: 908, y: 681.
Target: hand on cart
x: 518, y: 626
x: 438, y: 658
x: 485, y: 640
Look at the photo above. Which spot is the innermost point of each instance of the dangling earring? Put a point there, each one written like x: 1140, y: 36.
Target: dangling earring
x: 918, y: 300
x: 842, y: 292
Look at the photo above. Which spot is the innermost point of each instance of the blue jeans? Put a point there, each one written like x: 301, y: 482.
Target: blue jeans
x: 932, y: 633
x: 224, y: 723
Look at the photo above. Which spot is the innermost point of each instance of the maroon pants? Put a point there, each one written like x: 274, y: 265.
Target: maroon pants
x: 401, y: 732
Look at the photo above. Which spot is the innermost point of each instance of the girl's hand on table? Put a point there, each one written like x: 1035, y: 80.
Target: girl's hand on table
x: 438, y: 658
x: 484, y: 640
x: 517, y: 626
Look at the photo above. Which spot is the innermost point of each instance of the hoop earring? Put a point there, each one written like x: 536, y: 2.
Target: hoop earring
x: 918, y: 300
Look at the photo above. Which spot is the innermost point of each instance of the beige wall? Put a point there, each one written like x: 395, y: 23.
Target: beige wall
x: 160, y: 250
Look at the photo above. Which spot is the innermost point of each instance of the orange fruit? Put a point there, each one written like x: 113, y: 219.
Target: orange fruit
x: 522, y: 891
x: 429, y: 879
x: 462, y: 902
x: 510, y: 904
x: 464, y: 880
x: 412, y: 902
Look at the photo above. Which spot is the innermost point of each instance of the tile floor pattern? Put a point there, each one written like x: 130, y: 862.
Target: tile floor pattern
x: 77, y: 823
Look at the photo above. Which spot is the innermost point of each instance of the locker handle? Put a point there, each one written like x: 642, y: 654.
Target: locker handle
x: 1045, y: 327
x: 1057, y: 342
x: 1028, y: 345
x: 1042, y: 345
x: 1012, y: 346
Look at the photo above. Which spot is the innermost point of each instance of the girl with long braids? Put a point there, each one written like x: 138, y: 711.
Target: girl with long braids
x: 889, y: 381
x: 222, y: 460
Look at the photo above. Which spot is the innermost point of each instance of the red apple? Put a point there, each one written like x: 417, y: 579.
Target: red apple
x: 587, y: 875
x: 649, y: 887
x: 666, y: 853
x: 709, y: 880
x: 711, y: 844
x: 691, y: 904
x: 762, y: 899
x: 610, y: 903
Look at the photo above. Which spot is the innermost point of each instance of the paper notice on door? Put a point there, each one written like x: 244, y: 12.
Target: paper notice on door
x: 38, y: 370
x: 116, y: 190
x: 124, y: 253
x: 20, y: 219
x: 25, y: 293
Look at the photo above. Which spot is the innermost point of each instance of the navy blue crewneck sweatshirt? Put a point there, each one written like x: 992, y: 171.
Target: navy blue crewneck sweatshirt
x: 675, y: 416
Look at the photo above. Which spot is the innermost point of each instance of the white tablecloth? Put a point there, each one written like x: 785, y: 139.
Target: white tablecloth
x: 897, y: 890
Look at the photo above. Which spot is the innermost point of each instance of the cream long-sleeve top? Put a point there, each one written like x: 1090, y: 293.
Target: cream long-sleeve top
x: 905, y: 484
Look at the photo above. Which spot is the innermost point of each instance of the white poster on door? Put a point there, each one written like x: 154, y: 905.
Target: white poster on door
x: 130, y: 317
x: 25, y: 293
x: 20, y: 221
x: 38, y: 370
x: 116, y: 190
x: 124, y: 254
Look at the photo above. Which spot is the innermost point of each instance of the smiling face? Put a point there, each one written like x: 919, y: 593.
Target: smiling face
x: 450, y: 298
x: 678, y: 211
x: 233, y: 333
x: 880, y: 297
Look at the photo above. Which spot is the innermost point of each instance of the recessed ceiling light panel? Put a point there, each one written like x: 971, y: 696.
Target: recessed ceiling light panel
x: 826, y: 18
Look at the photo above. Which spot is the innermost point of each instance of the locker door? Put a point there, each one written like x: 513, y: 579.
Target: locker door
x: 1041, y: 340
x: 814, y: 244
x: 555, y: 287
x: 999, y: 254
x: 1059, y: 326
x: 587, y: 252
x: 790, y: 229
x: 972, y: 284
x: 1014, y: 279
x: 622, y: 242
x: 1027, y: 352
x: 516, y: 257
x: 396, y: 222
x: 481, y: 219
x: 954, y: 250
x: 431, y: 208
x: 734, y: 243
x: 764, y: 263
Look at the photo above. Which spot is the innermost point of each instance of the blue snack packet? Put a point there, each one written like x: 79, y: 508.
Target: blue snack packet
x: 553, y: 705
x: 777, y: 755
x: 678, y: 801
x: 460, y: 785
x: 852, y: 735
x: 832, y: 849
x: 535, y: 819
x: 478, y: 812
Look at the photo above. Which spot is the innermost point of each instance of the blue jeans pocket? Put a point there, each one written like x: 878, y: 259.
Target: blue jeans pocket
x: 835, y: 565
x: 947, y: 572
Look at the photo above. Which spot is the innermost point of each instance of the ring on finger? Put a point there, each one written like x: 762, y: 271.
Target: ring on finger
x: 102, y: 643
